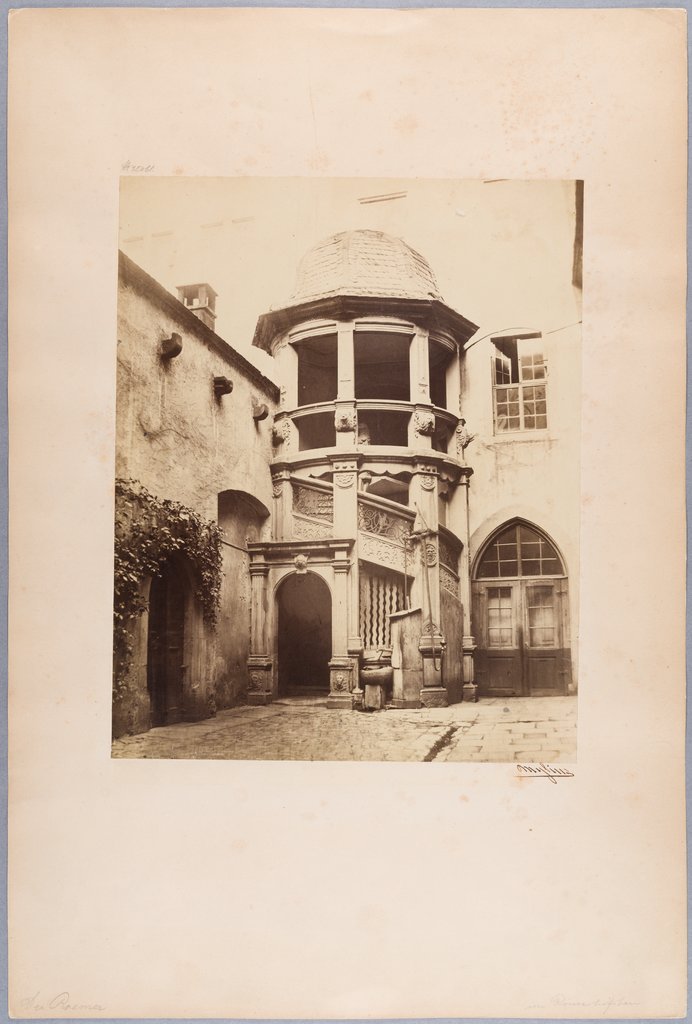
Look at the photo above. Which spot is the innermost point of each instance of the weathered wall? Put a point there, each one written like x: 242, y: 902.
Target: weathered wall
x: 241, y: 520
x: 173, y: 434
x: 534, y: 474
x: 185, y: 444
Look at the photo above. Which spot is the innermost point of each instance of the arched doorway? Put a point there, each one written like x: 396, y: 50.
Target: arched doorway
x: 304, y: 607
x: 521, y: 615
x: 166, y: 644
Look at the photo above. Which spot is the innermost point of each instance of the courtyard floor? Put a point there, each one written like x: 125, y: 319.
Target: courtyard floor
x: 497, y: 729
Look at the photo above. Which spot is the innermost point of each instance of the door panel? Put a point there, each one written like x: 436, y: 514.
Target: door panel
x: 499, y: 655
x: 522, y: 647
x: 166, y: 644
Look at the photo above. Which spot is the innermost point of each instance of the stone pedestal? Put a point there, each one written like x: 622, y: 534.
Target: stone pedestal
x: 433, y: 693
x: 340, y: 684
x: 259, y: 687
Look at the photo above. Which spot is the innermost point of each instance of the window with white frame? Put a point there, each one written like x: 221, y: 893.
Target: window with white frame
x: 519, y: 384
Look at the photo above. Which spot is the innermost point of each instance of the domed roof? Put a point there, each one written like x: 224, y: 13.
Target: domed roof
x: 364, y: 262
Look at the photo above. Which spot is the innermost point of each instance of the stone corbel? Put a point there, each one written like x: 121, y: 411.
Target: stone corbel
x: 424, y: 423
x: 345, y: 421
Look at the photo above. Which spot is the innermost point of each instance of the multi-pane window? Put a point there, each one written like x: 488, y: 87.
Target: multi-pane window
x: 519, y: 551
x: 541, y: 611
x: 500, y: 627
x: 519, y: 388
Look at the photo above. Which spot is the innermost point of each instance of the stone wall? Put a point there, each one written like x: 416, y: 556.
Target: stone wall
x: 184, y: 442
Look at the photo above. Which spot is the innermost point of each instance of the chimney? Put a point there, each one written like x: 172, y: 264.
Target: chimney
x: 200, y: 299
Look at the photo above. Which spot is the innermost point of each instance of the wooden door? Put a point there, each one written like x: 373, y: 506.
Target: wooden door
x: 544, y: 649
x: 499, y: 655
x: 166, y: 647
x: 523, y: 647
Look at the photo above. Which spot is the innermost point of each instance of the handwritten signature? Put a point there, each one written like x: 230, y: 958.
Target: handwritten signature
x: 544, y: 771
x: 604, y: 1005
x: 137, y: 168
x: 62, y: 1001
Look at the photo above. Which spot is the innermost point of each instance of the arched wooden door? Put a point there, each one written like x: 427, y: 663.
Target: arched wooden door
x: 521, y: 615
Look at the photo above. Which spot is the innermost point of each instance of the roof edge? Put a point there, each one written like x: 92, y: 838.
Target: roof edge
x: 423, y: 312
x: 131, y: 273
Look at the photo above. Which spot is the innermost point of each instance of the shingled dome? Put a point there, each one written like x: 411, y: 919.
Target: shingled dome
x: 364, y: 263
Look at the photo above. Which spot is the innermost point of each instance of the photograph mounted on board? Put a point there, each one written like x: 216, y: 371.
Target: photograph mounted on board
x: 347, y: 469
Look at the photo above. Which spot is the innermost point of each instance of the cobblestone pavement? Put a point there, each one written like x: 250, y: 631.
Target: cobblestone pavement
x: 303, y: 729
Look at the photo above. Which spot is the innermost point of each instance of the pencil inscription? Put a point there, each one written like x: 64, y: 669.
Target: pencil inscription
x: 37, y: 1003
x: 129, y: 167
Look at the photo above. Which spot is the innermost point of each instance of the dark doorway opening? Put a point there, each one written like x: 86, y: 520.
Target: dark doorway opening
x: 305, y: 635
x: 166, y: 645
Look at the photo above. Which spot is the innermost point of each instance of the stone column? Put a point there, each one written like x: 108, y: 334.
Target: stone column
x: 282, y: 519
x: 432, y: 642
x: 422, y: 422
x: 419, y: 368
x: 468, y: 643
x: 259, y: 662
x: 340, y: 666
x: 346, y: 376
x: 345, y: 472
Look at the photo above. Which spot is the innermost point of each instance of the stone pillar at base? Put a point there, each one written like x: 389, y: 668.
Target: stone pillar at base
x: 470, y: 688
x: 259, y: 686
x: 433, y: 694
x: 340, y: 684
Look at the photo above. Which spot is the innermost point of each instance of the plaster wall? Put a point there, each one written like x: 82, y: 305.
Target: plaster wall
x: 185, y: 444
x: 534, y: 474
x: 173, y: 434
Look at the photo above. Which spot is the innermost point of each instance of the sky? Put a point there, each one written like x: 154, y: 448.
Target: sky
x: 501, y: 250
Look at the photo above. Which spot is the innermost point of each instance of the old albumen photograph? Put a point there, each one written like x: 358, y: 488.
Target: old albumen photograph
x: 347, y: 493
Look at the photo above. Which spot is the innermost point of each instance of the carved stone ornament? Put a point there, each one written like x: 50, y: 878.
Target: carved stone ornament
x: 449, y: 581
x: 427, y: 482
x: 281, y: 432
x: 276, y: 490
x: 424, y: 423
x: 344, y: 479
x: 301, y: 564
x: 430, y: 554
x: 464, y: 438
x: 339, y: 681
x: 255, y: 682
x: 305, y: 529
x: 282, y: 397
x: 382, y: 551
x: 318, y: 504
x: 384, y: 524
x: 345, y: 421
x: 448, y: 555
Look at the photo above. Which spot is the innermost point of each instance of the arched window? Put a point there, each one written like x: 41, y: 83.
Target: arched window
x: 519, y: 550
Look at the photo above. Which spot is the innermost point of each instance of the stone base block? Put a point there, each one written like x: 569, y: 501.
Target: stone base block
x: 470, y: 692
x: 434, y: 697
x: 402, y: 703
x: 341, y: 701
x: 258, y: 699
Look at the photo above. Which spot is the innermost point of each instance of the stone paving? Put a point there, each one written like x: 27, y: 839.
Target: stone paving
x: 497, y: 729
